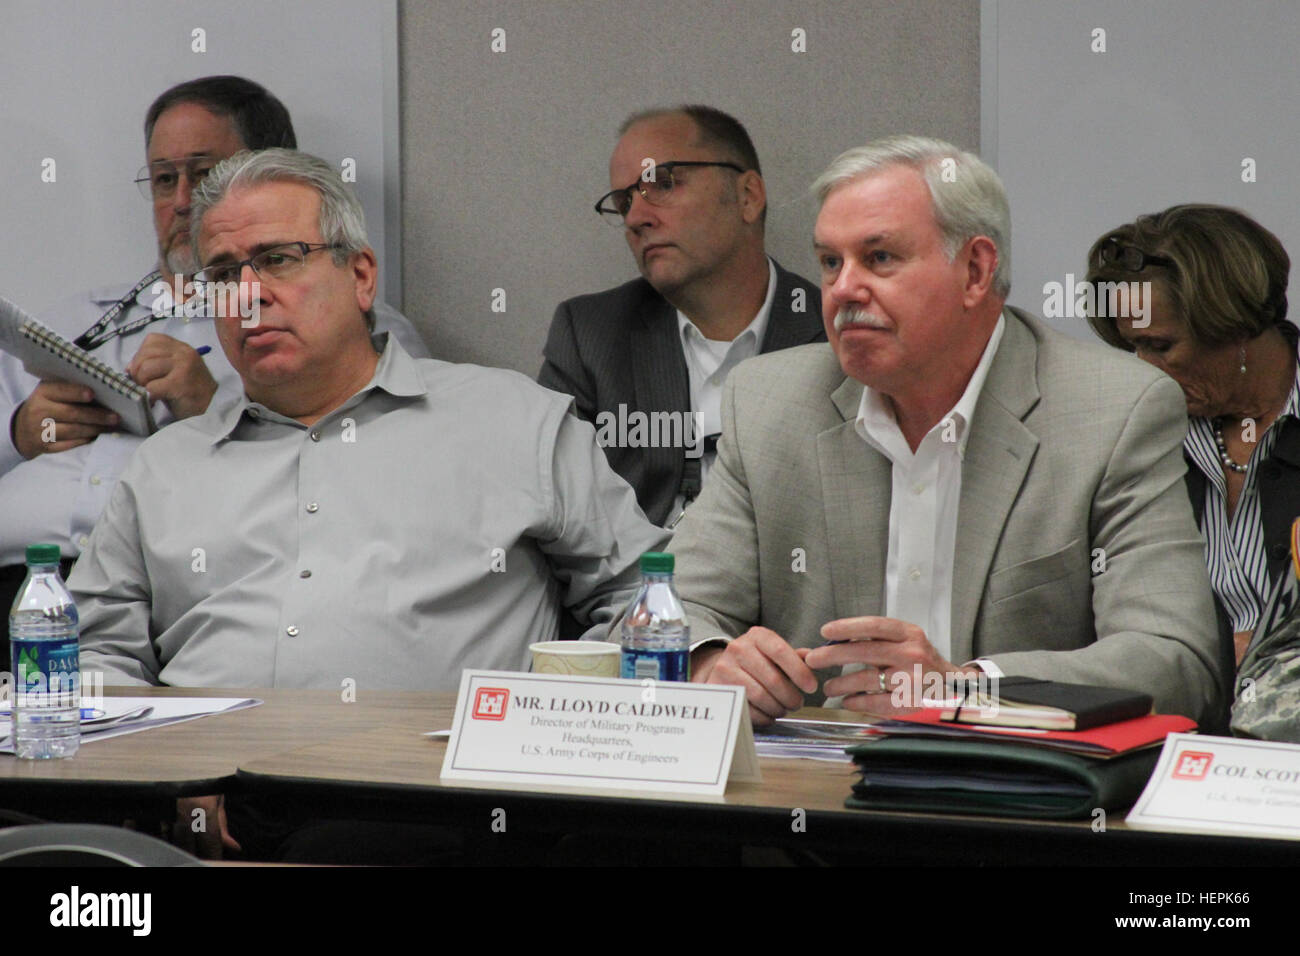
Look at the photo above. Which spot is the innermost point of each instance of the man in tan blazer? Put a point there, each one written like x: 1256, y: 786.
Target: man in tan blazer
x: 950, y: 488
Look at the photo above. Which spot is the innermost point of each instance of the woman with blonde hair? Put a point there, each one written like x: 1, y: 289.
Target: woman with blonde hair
x: 1214, y: 320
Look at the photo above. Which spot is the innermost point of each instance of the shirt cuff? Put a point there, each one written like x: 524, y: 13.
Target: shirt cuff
x: 988, y: 667
x: 721, y: 639
x: 10, y: 457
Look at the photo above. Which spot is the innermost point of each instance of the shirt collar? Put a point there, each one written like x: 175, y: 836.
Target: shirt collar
x: 396, y: 373
x: 753, y: 332
x: 1203, y: 450
x: 106, y: 295
x: 878, y: 427
x: 1292, y: 407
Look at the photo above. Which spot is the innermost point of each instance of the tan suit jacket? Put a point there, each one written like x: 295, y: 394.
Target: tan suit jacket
x: 1074, y: 460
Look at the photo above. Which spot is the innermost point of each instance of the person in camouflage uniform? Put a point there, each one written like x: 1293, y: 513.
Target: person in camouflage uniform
x: 1267, y: 704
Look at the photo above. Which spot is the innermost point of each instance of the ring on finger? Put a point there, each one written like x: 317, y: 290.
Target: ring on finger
x: 883, y: 681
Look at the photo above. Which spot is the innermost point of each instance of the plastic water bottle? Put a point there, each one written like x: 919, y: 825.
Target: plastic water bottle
x: 46, y: 661
x: 656, y: 636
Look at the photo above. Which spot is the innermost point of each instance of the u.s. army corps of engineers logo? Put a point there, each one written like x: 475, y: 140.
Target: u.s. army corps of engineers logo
x: 1192, y: 765
x: 490, y: 703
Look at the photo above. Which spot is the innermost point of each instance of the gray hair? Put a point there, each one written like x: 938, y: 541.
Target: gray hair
x: 342, y: 220
x: 966, y: 194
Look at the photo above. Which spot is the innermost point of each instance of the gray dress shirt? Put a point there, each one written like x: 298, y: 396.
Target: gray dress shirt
x: 58, y: 497
x: 436, y: 521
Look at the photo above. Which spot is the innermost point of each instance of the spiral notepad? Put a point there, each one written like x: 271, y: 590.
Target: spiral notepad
x: 48, y: 355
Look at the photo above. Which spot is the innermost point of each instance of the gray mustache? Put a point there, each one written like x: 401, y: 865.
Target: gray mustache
x: 852, y: 315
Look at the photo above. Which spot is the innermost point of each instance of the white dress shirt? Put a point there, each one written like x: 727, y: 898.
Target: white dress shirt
x: 708, y: 363
x: 57, y: 497
x: 924, y: 498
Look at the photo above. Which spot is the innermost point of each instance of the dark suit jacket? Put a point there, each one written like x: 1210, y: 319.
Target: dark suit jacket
x: 622, y: 347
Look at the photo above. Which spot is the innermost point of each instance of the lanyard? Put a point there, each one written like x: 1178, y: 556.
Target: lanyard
x: 101, y: 331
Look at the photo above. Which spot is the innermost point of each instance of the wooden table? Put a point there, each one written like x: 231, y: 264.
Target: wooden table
x: 368, y: 760
x: 392, y: 771
x: 145, y: 772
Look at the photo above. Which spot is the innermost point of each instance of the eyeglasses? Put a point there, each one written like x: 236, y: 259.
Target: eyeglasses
x: 655, y: 186
x: 1131, y: 258
x: 277, y: 262
x: 159, y: 179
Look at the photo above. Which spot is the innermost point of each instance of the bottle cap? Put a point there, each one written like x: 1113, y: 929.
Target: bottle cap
x: 656, y: 562
x: 43, y: 554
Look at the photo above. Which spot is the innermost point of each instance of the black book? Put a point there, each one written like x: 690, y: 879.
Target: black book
x: 1049, y: 705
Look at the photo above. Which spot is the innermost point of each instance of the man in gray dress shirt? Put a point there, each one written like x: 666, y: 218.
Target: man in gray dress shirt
x: 60, y: 452
x: 355, y: 514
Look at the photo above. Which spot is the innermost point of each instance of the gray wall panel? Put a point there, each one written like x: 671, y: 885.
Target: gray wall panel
x: 76, y: 78
x: 1184, y: 91
x: 503, y: 154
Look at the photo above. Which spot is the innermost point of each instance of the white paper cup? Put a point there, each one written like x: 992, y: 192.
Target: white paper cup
x: 579, y: 658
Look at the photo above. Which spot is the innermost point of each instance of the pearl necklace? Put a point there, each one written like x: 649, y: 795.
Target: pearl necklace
x: 1223, y: 449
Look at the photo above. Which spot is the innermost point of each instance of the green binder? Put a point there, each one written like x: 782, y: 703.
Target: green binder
x: 994, y: 778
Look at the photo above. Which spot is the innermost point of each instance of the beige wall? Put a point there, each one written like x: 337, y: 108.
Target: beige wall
x: 503, y: 154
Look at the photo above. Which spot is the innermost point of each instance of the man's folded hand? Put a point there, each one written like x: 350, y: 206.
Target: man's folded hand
x: 772, y: 672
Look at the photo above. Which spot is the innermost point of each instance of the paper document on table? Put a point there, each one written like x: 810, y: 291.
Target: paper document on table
x: 126, y: 715
x: 791, y: 737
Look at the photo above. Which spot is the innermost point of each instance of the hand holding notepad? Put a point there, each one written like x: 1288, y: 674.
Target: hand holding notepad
x: 49, y: 356
x: 58, y: 416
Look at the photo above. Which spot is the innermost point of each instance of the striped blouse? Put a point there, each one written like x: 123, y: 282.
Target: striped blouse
x: 1234, y: 547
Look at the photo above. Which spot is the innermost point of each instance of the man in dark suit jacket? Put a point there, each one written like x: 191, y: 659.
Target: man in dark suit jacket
x: 646, y: 361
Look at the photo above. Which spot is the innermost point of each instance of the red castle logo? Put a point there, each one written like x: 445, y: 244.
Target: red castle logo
x: 1192, y: 765
x: 490, y: 703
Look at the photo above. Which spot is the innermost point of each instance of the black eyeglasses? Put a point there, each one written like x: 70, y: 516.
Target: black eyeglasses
x: 1131, y: 258
x: 655, y: 186
x: 277, y: 262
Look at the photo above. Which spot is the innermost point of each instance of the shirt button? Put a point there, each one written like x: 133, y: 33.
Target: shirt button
x: 915, y: 574
x: 83, y: 541
x: 313, y: 508
x: 315, y: 436
x: 917, y: 489
x: 304, y: 573
x: 254, y: 412
x: 291, y: 630
x: 94, y: 479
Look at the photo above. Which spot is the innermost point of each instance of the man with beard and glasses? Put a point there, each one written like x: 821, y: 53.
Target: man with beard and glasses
x: 62, y: 452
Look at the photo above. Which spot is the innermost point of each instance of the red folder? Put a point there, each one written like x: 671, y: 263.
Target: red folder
x: 1105, y: 741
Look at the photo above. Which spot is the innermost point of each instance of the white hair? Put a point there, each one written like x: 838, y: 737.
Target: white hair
x: 342, y: 220
x: 966, y: 194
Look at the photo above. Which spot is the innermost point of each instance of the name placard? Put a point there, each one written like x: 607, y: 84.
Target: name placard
x: 1223, y: 785
x: 527, y: 730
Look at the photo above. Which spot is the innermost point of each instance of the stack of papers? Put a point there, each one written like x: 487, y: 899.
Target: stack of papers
x: 811, y: 739
x: 126, y: 715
